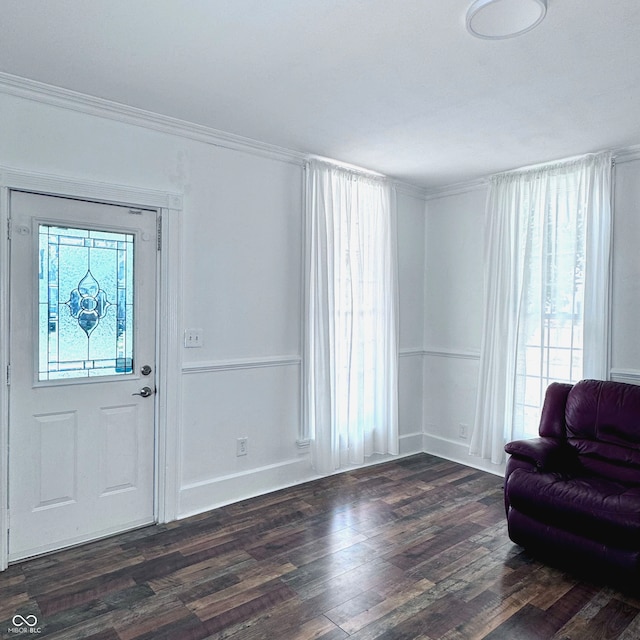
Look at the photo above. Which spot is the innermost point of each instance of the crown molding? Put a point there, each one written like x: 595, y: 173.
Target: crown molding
x: 620, y: 156
x: 411, y: 190
x: 67, y: 99
x: 100, y: 107
x: 456, y: 189
x: 627, y: 154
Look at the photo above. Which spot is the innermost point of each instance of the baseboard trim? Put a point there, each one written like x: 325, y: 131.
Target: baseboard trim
x: 458, y: 452
x: 199, y: 497
x: 410, y: 443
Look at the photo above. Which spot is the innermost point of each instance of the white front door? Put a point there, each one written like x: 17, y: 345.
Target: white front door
x: 82, y: 371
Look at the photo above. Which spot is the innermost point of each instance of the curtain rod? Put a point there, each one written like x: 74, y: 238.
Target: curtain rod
x: 346, y: 166
x: 555, y: 164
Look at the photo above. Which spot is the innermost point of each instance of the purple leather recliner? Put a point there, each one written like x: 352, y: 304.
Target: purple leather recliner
x: 573, y: 494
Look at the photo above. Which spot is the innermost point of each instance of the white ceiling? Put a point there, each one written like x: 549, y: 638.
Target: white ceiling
x: 397, y: 86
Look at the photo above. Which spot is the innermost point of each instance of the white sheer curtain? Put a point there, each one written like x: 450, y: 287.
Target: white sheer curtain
x: 351, y: 350
x: 547, y: 258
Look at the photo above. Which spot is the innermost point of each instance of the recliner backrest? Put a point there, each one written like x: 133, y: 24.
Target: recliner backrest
x: 603, y: 426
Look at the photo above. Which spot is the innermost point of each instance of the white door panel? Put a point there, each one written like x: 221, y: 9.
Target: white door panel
x: 81, y: 439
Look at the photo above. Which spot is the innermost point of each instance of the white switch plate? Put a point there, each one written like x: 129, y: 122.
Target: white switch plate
x: 192, y: 338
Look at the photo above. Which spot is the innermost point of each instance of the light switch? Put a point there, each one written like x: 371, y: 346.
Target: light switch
x: 192, y: 338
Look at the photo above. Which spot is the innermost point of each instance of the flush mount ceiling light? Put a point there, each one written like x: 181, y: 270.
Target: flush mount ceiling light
x: 499, y: 19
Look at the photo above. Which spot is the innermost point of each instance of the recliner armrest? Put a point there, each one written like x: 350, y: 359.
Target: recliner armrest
x: 546, y: 454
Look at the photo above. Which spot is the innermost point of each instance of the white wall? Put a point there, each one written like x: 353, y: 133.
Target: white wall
x: 453, y: 320
x: 411, y: 225
x: 625, y: 305
x: 242, y: 285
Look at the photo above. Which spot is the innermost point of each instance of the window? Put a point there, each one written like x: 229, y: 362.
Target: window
x: 85, y: 302
x: 351, y: 329
x: 546, y: 293
x: 552, y: 333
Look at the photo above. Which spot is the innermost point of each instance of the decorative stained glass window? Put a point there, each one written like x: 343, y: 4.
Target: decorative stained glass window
x: 85, y: 303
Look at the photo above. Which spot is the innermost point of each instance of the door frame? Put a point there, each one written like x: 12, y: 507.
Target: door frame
x: 168, y: 353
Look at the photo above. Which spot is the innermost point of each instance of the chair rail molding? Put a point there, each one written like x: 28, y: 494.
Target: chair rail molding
x: 631, y: 376
x: 257, y: 362
x: 411, y: 353
x: 453, y: 353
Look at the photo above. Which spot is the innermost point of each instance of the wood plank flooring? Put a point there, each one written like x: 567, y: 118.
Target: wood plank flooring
x: 412, y: 549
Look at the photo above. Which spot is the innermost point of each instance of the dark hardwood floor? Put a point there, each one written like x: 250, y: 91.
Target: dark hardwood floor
x: 410, y: 549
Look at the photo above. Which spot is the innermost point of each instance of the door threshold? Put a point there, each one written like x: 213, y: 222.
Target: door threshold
x: 80, y: 542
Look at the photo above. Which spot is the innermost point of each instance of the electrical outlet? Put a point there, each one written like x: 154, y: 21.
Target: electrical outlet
x: 242, y: 446
x: 192, y: 338
x: 464, y: 428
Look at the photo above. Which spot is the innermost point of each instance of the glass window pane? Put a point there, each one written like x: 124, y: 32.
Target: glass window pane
x: 85, y: 303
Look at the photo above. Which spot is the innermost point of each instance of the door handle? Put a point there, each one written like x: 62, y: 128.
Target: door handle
x: 145, y: 392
